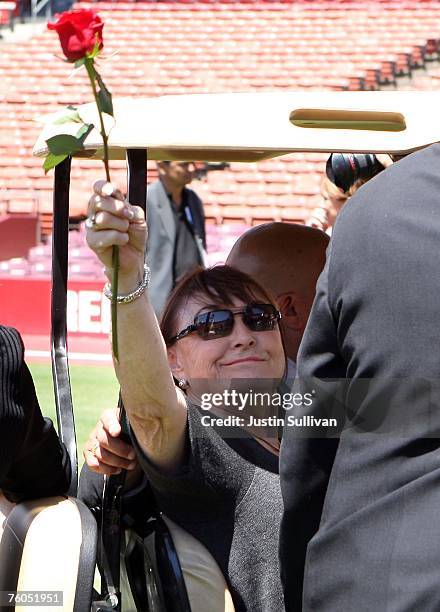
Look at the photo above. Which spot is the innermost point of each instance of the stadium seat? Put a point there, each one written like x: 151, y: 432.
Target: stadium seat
x: 40, y: 253
x: 81, y: 253
x: 206, y: 46
x: 84, y: 267
x: 41, y: 268
x: 17, y: 266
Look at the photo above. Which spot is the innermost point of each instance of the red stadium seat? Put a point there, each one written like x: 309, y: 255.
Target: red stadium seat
x: 212, y: 46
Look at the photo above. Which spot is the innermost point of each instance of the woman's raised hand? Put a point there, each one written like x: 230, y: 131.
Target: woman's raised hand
x: 113, y: 221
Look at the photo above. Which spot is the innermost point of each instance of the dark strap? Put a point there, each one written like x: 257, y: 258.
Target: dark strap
x: 110, y: 541
x: 60, y: 366
x: 170, y: 570
x: 111, y: 532
x: 142, y: 576
x: 170, y: 594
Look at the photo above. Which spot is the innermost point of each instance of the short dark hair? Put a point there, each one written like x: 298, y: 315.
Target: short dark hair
x: 221, y: 284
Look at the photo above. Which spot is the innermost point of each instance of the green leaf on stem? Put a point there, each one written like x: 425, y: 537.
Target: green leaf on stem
x: 104, y: 96
x: 96, y: 49
x: 64, y: 144
x: 104, y: 104
x: 83, y: 132
x: 105, y: 101
x: 80, y: 62
x: 52, y: 160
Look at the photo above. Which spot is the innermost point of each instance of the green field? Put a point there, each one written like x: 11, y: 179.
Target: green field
x: 94, y: 388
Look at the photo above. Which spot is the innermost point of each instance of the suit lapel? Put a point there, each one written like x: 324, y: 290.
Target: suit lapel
x: 165, y: 212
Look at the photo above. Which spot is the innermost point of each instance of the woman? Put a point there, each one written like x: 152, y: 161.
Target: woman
x: 219, y: 325
x: 323, y: 217
x: 334, y: 198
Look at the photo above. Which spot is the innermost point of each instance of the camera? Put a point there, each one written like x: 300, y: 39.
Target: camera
x: 344, y: 169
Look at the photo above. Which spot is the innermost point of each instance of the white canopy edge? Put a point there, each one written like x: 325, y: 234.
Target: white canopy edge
x: 254, y: 126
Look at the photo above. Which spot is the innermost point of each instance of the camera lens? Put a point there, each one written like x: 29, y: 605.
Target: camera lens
x: 344, y: 169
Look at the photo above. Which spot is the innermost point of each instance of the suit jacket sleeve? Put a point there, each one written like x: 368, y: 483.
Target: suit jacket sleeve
x: 160, y: 246
x: 307, y: 457
x: 33, y: 462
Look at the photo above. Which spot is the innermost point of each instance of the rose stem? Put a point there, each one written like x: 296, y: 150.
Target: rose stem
x: 115, y: 253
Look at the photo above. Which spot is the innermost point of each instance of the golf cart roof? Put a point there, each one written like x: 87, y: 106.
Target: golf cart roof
x: 249, y: 127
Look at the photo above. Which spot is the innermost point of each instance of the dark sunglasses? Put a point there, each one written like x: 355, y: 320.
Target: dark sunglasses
x: 220, y: 323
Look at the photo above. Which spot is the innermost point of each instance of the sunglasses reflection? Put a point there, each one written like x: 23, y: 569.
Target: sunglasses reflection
x: 220, y: 322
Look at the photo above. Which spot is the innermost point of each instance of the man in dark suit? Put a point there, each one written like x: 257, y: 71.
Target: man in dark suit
x: 33, y: 462
x: 176, y: 229
x: 361, y: 528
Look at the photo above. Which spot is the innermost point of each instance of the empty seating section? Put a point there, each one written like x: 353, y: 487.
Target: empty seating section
x: 38, y: 262
x: 212, y: 46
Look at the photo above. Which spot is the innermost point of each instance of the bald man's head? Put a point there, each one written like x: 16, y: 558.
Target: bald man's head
x: 286, y: 259
x: 281, y: 256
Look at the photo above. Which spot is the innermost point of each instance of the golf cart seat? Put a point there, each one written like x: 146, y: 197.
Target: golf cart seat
x: 48, y: 545
x: 205, y: 583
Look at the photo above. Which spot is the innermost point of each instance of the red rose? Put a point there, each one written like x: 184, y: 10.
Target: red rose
x: 79, y: 31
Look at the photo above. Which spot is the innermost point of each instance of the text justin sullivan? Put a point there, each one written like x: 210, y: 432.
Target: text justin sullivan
x: 272, y: 421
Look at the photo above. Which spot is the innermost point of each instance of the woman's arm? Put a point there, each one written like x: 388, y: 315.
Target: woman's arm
x: 156, y: 409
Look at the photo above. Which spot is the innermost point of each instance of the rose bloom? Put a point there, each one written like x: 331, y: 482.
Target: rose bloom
x: 78, y: 31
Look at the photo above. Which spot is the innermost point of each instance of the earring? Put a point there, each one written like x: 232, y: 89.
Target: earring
x: 183, y: 383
